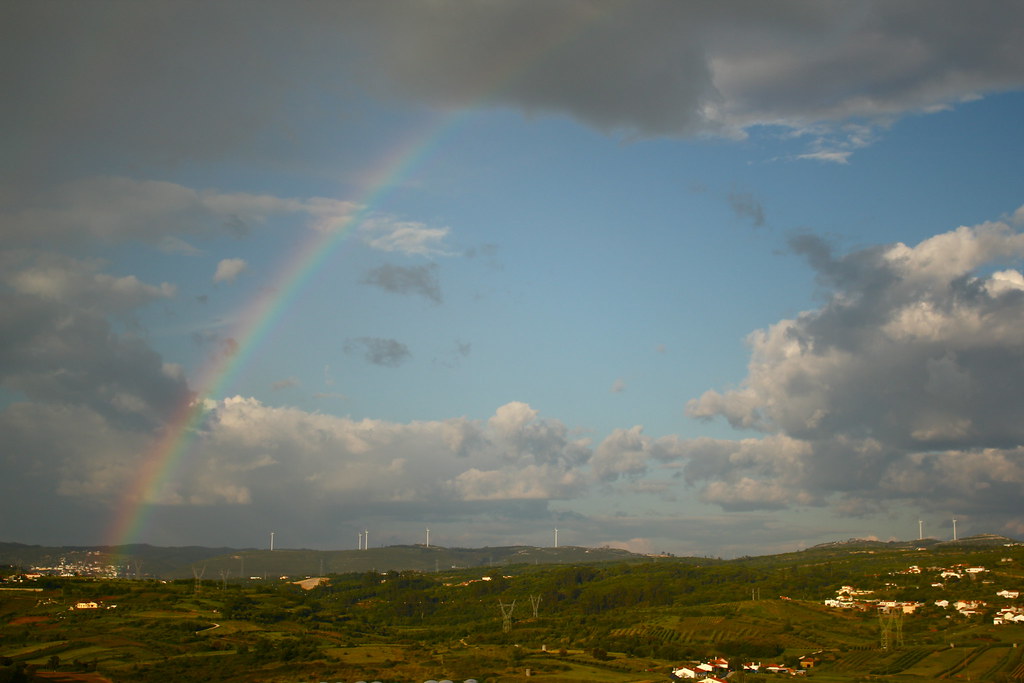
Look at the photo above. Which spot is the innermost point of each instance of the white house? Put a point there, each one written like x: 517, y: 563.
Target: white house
x: 719, y: 663
x: 1009, y: 615
x: 778, y: 669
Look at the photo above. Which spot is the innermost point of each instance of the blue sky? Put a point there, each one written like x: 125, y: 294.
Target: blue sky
x: 725, y: 278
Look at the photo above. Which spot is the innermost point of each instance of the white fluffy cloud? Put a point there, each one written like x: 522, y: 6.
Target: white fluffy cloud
x: 247, y: 452
x: 228, y: 269
x: 404, y: 237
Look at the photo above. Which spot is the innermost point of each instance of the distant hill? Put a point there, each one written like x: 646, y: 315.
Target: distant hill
x: 979, y: 540
x: 862, y: 543
x: 870, y: 544
x: 216, y: 563
x: 141, y: 560
x: 266, y: 563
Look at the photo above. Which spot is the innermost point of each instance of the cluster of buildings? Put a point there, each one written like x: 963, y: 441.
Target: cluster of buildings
x: 847, y: 597
x: 92, y: 564
x: 717, y: 670
x: 1012, y: 614
x: 1008, y: 615
x: 90, y: 604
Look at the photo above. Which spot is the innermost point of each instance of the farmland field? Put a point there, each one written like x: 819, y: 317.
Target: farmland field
x: 625, y: 622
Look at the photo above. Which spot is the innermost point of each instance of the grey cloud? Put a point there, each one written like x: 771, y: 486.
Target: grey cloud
x: 119, y: 209
x: 665, y: 68
x: 146, y: 82
x: 903, y: 386
x: 212, y: 78
x: 298, y: 466
x: 286, y: 383
x: 80, y: 284
x: 387, y: 352
x: 745, y: 205
x: 420, y: 280
x: 488, y: 252
x: 454, y: 358
x: 236, y: 226
x: 86, y: 402
x: 53, y: 353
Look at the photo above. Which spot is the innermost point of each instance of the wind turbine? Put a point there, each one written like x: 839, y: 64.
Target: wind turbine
x: 954, y: 528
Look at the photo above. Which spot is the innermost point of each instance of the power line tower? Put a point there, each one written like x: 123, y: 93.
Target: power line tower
x: 198, y: 575
x: 890, y: 622
x: 535, y: 603
x: 506, y: 615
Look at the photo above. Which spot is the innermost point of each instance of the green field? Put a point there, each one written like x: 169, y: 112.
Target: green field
x: 613, y: 622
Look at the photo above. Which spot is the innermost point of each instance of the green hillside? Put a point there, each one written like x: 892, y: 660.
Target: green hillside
x: 566, y: 615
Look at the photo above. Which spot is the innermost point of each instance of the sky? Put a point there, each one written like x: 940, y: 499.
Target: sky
x: 703, y: 278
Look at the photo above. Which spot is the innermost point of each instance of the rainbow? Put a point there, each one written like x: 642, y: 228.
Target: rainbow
x: 160, y: 463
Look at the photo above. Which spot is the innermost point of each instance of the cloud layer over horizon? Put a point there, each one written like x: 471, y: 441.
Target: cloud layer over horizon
x: 145, y: 208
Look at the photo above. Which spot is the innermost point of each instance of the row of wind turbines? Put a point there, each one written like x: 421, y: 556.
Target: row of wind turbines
x: 364, y: 538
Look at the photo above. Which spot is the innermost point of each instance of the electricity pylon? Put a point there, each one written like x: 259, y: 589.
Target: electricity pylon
x: 890, y: 622
x: 506, y: 615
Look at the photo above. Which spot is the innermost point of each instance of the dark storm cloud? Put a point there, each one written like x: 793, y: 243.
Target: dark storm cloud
x: 421, y: 280
x: 170, y: 81
x: 84, y: 400
x: 54, y: 354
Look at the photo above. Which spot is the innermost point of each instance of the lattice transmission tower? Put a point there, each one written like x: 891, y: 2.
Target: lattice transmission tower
x: 890, y: 622
x: 506, y: 615
x: 198, y: 575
